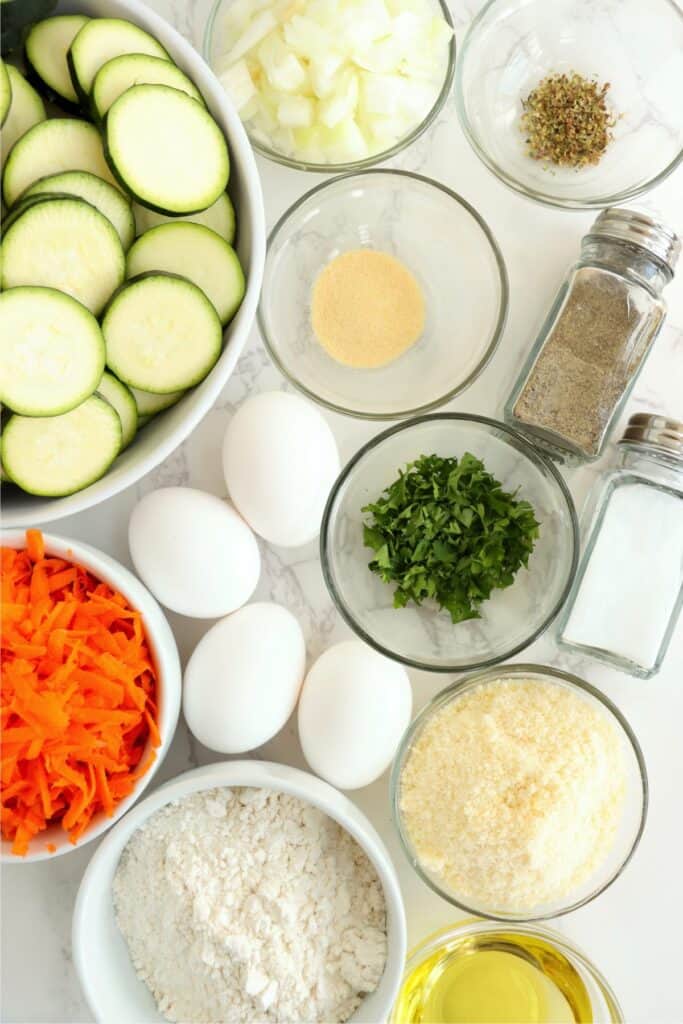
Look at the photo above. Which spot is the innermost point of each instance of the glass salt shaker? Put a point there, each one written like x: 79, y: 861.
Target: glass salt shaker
x: 628, y: 589
x: 596, y: 337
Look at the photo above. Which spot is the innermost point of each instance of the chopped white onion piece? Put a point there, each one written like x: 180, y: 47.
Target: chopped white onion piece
x: 239, y: 86
x: 296, y: 111
x: 333, y: 81
x: 254, y: 31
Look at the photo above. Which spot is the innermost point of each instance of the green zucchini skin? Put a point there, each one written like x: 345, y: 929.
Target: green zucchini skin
x: 220, y: 217
x: 16, y: 16
x: 91, y: 189
x: 65, y: 98
x: 26, y: 202
x: 216, y: 147
x: 132, y: 39
x: 87, y: 452
x: 121, y: 398
x: 5, y: 93
x: 171, y: 377
x: 109, y: 412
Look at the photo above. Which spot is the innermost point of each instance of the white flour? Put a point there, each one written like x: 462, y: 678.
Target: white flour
x: 246, y: 905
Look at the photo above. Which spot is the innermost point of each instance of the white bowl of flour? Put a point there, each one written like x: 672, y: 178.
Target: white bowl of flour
x: 176, y: 856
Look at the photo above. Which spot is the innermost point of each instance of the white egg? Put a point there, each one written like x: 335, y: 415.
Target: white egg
x: 194, y: 552
x: 355, y: 705
x: 280, y: 460
x: 244, y: 677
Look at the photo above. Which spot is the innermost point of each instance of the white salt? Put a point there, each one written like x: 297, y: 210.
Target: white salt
x: 632, y: 581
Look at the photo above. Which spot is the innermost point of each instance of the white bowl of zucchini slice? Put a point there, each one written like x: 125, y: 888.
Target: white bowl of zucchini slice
x: 133, y: 242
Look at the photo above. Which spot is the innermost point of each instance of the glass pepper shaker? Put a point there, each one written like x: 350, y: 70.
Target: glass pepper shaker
x: 596, y: 337
x: 628, y: 589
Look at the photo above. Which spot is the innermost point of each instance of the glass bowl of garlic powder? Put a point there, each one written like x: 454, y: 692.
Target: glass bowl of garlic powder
x: 519, y: 793
x: 384, y: 294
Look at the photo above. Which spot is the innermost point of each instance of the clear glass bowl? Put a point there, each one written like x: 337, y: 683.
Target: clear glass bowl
x: 634, y: 811
x: 533, y: 943
x: 211, y: 49
x: 636, y: 46
x: 424, y: 637
x: 463, y: 279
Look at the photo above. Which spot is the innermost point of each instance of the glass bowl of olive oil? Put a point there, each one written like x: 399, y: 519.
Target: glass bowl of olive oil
x: 487, y: 972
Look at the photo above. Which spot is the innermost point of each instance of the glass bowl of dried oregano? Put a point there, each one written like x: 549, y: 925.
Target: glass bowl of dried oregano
x: 574, y: 103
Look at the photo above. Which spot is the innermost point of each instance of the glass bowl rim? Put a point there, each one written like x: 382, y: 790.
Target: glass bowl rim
x: 477, y: 925
x: 536, y: 195
x: 369, y: 161
x: 453, y: 692
x: 532, y: 453
x: 498, y: 329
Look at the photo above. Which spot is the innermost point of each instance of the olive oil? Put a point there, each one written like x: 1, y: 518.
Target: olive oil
x: 495, y: 978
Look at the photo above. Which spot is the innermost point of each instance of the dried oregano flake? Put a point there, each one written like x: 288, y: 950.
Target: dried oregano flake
x: 567, y: 121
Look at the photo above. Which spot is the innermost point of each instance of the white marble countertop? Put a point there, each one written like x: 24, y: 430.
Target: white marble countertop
x: 632, y: 931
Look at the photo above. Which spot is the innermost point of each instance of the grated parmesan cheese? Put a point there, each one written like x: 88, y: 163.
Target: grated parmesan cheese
x: 511, y: 795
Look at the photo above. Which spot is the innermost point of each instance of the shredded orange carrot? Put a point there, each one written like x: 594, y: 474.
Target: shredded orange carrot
x: 79, y: 696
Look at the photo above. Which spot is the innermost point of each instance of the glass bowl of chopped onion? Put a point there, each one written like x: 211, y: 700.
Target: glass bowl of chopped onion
x: 574, y: 103
x: 519, y: 793
x: 331, y: 85
x: 449, y: 542
x: 363, y: 313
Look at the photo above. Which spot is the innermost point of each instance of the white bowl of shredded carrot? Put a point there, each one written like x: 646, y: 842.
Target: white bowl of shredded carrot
x: 91, y: 687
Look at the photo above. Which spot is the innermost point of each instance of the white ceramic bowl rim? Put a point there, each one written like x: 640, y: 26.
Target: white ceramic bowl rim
x: 250, y: 214
x: 165, y: 653
x: 257, y: 774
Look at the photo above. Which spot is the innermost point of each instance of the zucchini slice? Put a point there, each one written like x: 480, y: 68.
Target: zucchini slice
x: 197, y: 253
x: 131, y: 69
x: 5, y: 92
x: 65, y: 244
x: 24, y: 204
x: 162, y: 334
x: 47, y: 45
x: 100, y: 194
x: 101, y: 40
x: 51, y: 351
x: 27, y: 110
x: 220, y: 217
x: 166, y: 149
x: 120, y: 397
x: 58, y: 144
x: 57, y: 455
x: 149, y: 405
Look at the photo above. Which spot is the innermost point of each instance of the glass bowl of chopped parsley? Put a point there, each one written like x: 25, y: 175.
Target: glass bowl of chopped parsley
x: 571, y: 102
x: 449, y: 542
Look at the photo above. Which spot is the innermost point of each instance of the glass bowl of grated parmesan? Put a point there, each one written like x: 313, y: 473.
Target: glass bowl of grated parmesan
x: 519, y: 793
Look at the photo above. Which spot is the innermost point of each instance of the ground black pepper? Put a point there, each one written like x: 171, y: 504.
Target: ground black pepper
x: 590, y: 357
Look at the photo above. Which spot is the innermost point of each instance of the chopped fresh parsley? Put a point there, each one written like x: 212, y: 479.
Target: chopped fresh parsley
x: 445, y: 530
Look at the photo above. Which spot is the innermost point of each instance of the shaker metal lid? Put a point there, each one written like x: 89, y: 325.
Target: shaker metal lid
x: 639, y: 229
x: 648, y: 428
